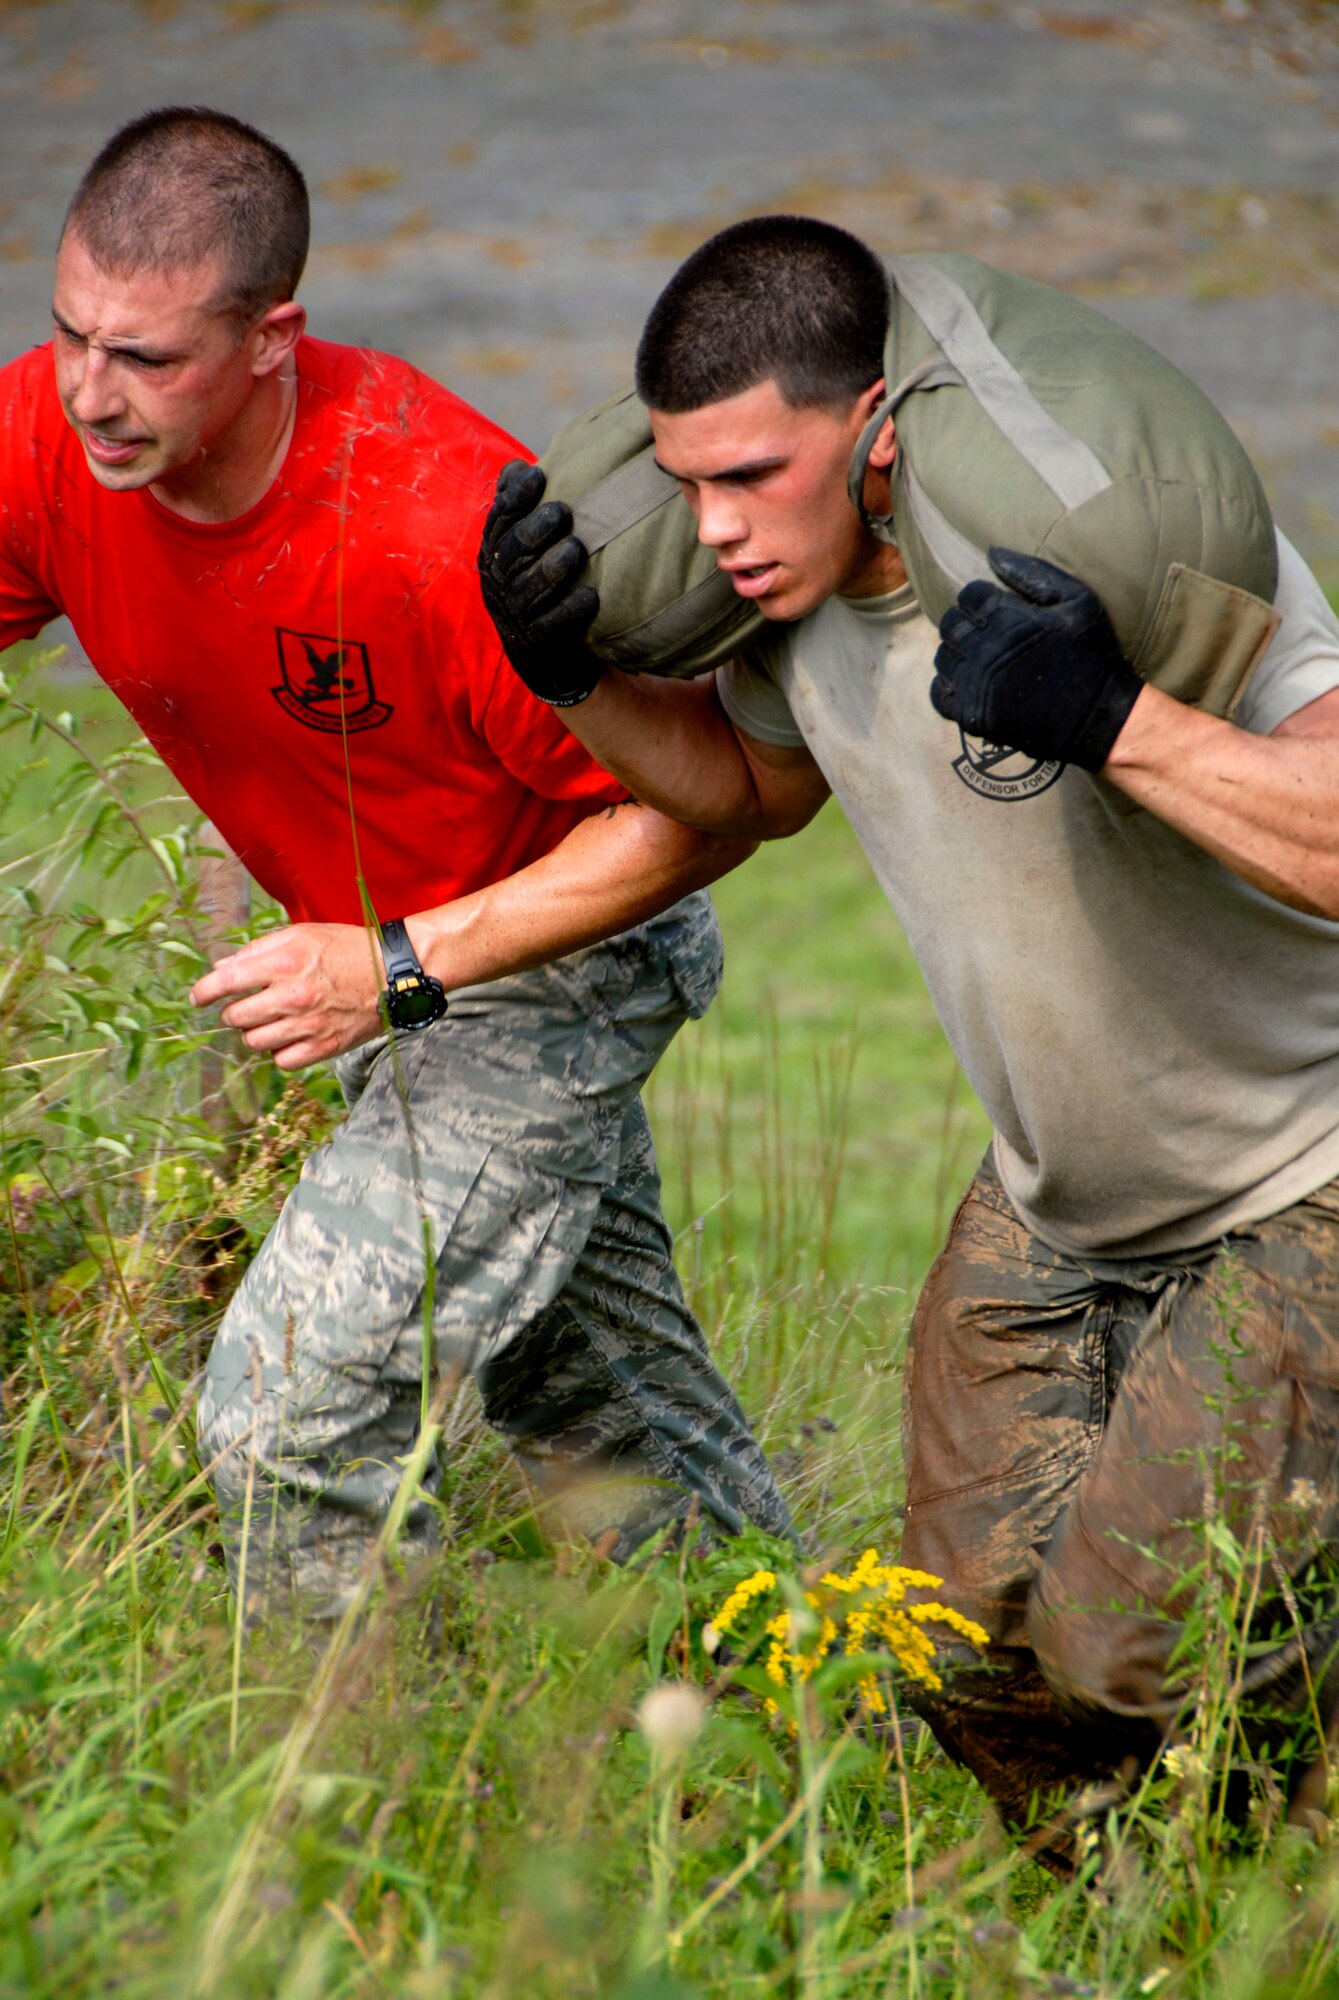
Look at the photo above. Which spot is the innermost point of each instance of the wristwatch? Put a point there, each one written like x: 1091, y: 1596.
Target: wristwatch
x: 413, y: 998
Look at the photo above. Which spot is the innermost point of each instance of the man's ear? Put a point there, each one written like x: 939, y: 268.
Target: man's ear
x: 275, y: 335
x: 884, y: 449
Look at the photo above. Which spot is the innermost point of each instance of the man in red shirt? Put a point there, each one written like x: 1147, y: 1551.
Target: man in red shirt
x: 266, y: 545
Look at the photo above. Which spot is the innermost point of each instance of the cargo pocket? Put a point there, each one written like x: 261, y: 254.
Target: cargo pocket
x: 1205, y: 640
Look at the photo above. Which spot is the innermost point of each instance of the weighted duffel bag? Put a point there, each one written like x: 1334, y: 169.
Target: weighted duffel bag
x: 665, y: 608
x: 1024, y: 417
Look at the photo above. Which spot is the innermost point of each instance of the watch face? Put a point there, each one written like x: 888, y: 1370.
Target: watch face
x: 415, y: 1006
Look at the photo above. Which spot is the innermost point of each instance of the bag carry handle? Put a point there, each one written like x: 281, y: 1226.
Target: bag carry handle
x: 1065, y: 463
x: 935, y: 373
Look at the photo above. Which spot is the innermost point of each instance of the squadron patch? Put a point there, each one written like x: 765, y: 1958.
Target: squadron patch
x: 327, y: 683
x: 995, y: 771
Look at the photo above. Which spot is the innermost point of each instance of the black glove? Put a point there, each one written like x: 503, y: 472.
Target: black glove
x: 528, y: 560
x: 1039, y: 671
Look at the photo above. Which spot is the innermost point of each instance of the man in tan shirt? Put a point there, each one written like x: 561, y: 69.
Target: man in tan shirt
x: 1127, y: 912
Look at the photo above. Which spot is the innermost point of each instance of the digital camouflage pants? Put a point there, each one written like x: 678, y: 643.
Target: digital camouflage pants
x: 1107, y: 1462
x: 524, y: 1143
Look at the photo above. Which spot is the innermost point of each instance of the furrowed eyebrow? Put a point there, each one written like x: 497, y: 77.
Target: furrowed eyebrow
x: 743, y: 470
x: 117, y: 346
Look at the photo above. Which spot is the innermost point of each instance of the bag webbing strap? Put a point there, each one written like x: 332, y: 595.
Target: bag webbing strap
x: 960, y: 560
x: 1070, y: 468
x: 624, y: 497
x: 677, y: 623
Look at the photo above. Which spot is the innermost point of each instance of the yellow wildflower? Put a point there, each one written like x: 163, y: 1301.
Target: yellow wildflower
x: 739, y: 1600
x: 743, y: 1595
x: 881, y: 1620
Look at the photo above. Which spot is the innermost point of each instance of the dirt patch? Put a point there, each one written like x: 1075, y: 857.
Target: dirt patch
x: 1102, y: 236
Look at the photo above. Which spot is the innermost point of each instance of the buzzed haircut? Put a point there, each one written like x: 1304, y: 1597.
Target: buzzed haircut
x: 779, y: 296
x: 179, y: 186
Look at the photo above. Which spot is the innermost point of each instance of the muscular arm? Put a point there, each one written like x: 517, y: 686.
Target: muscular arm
x: 311, y: 991
x: 1265, y: 806
x: 672, y: 743
x: 1038, y: 665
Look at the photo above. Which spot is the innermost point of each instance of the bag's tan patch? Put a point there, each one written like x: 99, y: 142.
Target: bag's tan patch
x: 1205, y: 640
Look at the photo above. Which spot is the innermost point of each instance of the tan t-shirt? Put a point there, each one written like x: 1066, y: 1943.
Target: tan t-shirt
x: 1155, y: 1042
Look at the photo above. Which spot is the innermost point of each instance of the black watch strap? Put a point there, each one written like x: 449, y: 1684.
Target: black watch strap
x: 414, y: 999
x: 398, y: 954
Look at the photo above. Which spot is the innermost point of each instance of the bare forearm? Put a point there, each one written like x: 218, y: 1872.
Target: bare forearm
x: 309, y: 992
x: 672, y: 744
x: 616, y: 869
x: 1267, y: 807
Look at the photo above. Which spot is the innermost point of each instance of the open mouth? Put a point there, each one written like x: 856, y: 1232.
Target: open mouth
x: 753, y: 581
x: 110, y: 451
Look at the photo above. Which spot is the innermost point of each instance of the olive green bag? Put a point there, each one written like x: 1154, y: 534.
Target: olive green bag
x: 1024, y: 417
x: 665, y: 608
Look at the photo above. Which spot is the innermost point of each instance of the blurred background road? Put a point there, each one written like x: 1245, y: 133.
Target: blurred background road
x: 501, y: 186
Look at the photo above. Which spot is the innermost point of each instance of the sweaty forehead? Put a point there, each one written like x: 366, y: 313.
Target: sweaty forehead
x: 131, y: 304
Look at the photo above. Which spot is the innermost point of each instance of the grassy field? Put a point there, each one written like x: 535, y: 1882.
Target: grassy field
x: 459, y: 1792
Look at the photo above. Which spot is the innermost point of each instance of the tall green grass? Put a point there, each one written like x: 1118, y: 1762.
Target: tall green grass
x: 450, y: 1794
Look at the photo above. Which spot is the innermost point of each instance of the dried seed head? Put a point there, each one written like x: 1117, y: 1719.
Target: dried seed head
x: 670, y: 1717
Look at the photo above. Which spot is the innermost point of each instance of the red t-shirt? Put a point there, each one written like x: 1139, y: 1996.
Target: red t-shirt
x: 342, y: 610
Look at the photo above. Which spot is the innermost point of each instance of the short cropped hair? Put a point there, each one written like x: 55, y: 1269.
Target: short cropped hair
x: 782, y: 297
x: 179, y: 186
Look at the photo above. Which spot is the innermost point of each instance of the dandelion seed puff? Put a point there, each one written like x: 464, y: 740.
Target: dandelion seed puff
x: 670, y: 1717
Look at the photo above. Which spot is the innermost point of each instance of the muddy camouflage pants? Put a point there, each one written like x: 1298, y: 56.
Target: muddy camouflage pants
x: 1078, y: 1437
x: 527, y: 1148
